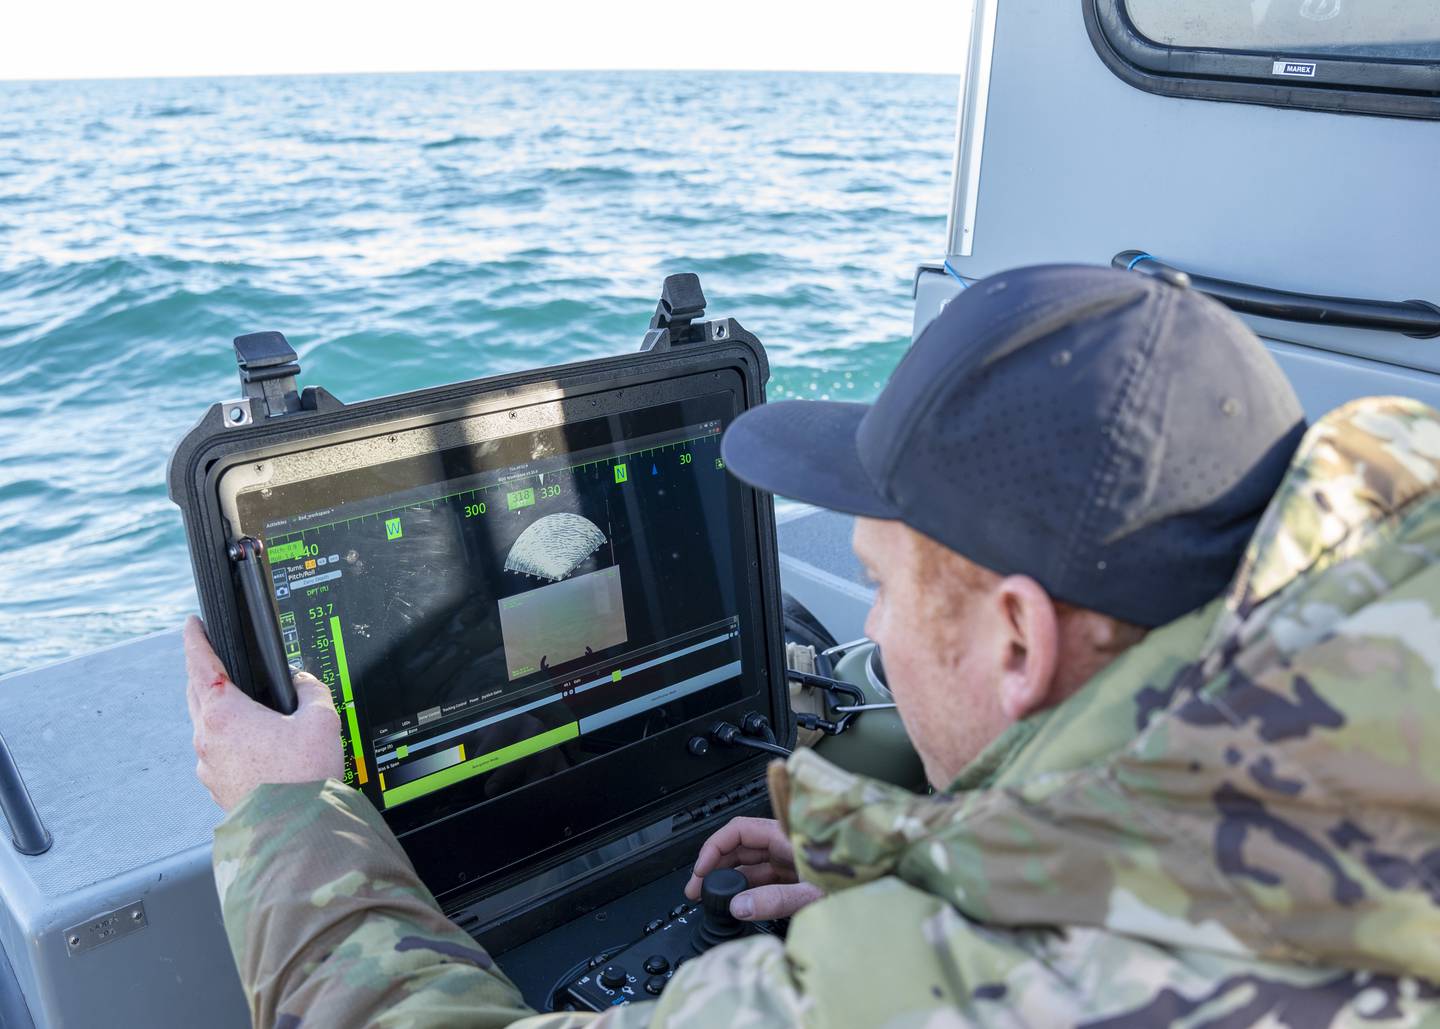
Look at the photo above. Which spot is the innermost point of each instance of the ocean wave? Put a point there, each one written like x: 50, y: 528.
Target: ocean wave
x: 738, y: 264
x: 814, y: 155
x: 175, y: 111
x: 405, y: 231
x: 589, y: 175
x: 327, y: 139
x: 38, y: 277
x: 525, y: 196
x: 452, y: 141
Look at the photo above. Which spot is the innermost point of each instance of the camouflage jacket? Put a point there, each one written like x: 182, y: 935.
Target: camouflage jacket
x: 1237, y: 822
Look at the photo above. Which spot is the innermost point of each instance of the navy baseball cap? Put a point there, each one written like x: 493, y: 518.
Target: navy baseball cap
x: 1113, y: 436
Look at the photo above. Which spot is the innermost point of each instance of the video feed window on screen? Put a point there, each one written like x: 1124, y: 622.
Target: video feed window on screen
x: 494, y: 614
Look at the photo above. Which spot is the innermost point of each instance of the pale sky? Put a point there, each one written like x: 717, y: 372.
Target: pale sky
x: 62, y: 39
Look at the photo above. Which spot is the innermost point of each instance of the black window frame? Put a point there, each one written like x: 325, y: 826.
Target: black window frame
x: 1341, y: 83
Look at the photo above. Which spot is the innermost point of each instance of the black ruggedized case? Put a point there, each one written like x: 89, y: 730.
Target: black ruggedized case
x: 274, y: 417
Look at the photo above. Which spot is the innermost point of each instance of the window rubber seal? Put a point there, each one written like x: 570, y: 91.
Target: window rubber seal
x: 1342, y: 84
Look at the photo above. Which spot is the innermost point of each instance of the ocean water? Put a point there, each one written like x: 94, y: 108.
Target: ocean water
x: 405, y: 231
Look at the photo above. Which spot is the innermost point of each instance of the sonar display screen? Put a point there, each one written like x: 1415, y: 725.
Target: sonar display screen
x: 497, y: 613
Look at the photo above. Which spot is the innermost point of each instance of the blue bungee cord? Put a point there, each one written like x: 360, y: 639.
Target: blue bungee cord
x: 955, y: 275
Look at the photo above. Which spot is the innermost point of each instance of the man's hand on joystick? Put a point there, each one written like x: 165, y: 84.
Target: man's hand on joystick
x: 760, y: 852
x: 717, y: 924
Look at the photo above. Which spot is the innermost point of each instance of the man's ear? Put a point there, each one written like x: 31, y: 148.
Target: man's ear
x: 1032, y: 648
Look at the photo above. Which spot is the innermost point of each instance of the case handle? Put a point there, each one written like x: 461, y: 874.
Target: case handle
x: 245, y: 555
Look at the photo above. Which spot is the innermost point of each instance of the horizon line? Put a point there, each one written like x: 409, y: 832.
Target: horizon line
x: 181, y: 76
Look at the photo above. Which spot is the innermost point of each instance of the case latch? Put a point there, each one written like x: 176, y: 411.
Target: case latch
x: 268, y: 366
x: 682, y: 303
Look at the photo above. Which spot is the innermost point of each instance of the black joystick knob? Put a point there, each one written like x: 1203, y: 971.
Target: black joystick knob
x: 717, y: 924
x: 717, y: 890
x: 612, y: 977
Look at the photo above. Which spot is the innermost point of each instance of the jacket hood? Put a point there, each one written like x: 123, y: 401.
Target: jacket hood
x: 1252, y: 779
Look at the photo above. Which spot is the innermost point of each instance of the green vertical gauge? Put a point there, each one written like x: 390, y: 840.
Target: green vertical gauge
x: 348, y: 698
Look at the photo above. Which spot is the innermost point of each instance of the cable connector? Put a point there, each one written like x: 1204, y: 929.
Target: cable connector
x: 809, y: 720
x: 729, y: 735
x: 757, y: 725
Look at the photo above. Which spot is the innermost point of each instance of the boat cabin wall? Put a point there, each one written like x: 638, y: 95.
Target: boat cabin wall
x: 1060, y: 159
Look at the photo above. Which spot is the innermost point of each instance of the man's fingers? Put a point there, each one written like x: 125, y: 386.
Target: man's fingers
x: 192, y: 702
x: 763, y: 875
x: 750, y: 856
x: 314, y: 703
x: 775, y: 901
x: 202, y: 772
x: 754, y: 833
x: 708, y: 863
x: 311, y: 692
x: 758, y: 866
x: 203, y: 670
x: 240, y: 743
x: 747, y: 841
x: 741, y: 855
x: 201, y: 663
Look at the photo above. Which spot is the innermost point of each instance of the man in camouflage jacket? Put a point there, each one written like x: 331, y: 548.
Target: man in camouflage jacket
x: 1235, y: 822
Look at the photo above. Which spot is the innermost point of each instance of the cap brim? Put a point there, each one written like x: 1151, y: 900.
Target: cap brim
x: 805, y: 450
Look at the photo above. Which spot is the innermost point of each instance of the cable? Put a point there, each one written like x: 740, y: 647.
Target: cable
x: 594, y: 961
x: 730, y: 735
x: 754, y: 744
x: 828, y: 684
x: 831, y: 686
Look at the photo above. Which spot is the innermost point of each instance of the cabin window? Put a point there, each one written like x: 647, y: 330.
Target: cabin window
x: 1389, y: 29
x: 1358, y: 56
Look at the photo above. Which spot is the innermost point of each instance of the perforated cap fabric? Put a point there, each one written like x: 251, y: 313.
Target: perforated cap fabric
x: 1110, y: 435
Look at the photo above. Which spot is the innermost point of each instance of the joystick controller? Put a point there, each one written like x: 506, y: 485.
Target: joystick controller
x: 717, y: 924
x: 643, y: 968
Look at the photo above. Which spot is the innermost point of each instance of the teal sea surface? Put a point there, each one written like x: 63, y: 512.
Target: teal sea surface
x: 405, y: 231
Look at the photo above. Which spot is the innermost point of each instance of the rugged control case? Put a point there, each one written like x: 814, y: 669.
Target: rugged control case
x: 275, y: 417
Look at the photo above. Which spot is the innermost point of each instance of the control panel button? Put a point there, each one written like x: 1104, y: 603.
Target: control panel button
x: 654, y: 925
x: 677, y: 910
x: 654, y: 985
x: 656, y: 964
x: 612, y: 977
